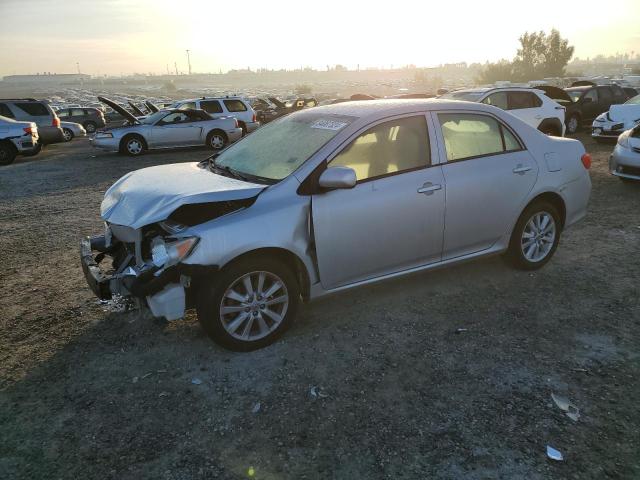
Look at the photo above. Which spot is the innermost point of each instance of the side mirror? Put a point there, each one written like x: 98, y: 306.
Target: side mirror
x: 338, y: 177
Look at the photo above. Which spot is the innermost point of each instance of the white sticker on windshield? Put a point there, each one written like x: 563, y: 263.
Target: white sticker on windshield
x: 328, y: 124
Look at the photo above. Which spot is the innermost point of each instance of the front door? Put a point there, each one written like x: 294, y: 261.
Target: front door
x: 489, y: 175
x: 393, y: 219
x: 175, y: 130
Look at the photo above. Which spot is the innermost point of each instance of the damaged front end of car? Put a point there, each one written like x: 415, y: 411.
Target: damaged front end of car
x: 148, y: 216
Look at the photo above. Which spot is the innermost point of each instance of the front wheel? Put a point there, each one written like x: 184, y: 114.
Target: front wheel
x: 535, y: 237
x: 133, y: 145
x: 249, y: 305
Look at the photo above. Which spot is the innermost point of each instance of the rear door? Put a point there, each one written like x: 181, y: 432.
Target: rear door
x: 488, y: 173
x: 393, y: 219
x: 591, y: 108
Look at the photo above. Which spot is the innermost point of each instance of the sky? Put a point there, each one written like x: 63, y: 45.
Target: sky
x: 115, y: 37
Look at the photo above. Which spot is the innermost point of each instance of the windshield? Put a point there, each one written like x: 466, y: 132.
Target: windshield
x: 153, y: 118
x: 274, y: 151
x: 634, y: 100
x: 467, y: 96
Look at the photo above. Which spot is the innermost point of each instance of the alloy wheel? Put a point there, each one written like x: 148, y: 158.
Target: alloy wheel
x: 573, y: 125
x: 90, y: 127
x: 538, y: 237
x: 254, y: 305
x: 66, y: 133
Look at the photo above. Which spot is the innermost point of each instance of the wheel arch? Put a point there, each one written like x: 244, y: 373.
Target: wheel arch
x: 551, y: 123
x: 133, y: 134
x: 554, y: 199
x: 287, y: 257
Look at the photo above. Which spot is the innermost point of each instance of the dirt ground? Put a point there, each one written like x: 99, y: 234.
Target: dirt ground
x: 87, y: 392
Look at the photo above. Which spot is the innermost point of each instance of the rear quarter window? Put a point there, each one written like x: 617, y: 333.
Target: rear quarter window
x: 235, y: 106
x: 35, y: 109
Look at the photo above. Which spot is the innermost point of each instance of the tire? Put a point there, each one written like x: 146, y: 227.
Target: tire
x: 552, y: 132
x: 525, y: 255
x: 67, y: 134
x: 573, y: 124
x: 243, y: 126
x: 217, y: 140
x: 7, y: 153
x: 259, y: 323
x: 90, y: 127
x: 133, y: 145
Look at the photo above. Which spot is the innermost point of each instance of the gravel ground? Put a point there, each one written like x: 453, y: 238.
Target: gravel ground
x: 89, y: 392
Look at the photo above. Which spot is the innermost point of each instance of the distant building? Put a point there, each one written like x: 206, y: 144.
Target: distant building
x: 47, y: 78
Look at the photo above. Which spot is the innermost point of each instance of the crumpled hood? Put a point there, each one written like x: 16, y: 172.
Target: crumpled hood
x: 151, y: 194
x: 624, y: 112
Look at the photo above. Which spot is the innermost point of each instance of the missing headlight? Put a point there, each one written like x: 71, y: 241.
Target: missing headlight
x: 197, y: 213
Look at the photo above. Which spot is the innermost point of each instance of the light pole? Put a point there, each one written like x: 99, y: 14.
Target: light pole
x: 189, y: 61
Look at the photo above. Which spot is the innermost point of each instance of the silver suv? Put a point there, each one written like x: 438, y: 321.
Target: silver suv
x: 37, y: 111
x: 16, y: 138
x: 236, y: 107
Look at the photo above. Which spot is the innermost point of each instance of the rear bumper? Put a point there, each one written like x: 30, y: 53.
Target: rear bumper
x: 234, y: 134
x: 26, y: 143
x: 252, y: 126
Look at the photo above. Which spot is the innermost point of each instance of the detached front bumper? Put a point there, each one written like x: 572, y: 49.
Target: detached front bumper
x: 167, y: 292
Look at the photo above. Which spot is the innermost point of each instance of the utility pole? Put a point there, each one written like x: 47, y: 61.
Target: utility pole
x: 168, y: 73
x: 175, y: 64
x: 78, y: 67
x: 189, y: 61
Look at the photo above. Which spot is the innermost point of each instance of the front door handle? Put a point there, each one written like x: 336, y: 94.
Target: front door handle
x: 428, y: 188
x: 521, y: 169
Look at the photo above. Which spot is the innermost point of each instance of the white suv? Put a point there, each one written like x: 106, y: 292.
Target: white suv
x: 217, y: 107
x: 530, y: 105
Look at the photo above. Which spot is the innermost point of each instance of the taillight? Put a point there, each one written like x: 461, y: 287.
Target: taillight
x: 237, y: 124
x: 27, y: 130
x: 55, y: 122
x: 254, y: 118
x: 586, y: 161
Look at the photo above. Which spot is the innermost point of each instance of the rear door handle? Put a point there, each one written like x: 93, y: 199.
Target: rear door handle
x: 428, y: 188
x: 521, y: 169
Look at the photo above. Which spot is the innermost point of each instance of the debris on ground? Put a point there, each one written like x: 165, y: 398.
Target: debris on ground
x: 554, y: 454
x: 316, y: 392
x: 256, y: 408
x: 566, y: 406
x: 461, y: 330
x: 196, y: 381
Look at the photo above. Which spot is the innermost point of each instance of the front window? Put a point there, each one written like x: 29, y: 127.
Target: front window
x: 391, y: 147
x: 153, y: 118
x: 211, y: 106
x: 276, y: 150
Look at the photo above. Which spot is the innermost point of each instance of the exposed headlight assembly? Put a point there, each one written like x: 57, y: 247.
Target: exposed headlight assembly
x: 166, y: 254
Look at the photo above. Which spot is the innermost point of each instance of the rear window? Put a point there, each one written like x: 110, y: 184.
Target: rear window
x: 5, y: 112
x: 33, y: 108
x: 211, y: 106
x: 235, y: 106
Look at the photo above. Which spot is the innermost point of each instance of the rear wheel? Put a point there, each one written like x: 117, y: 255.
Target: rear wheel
x: 535, y: 237
x: 133, y: 145
x: 67, y: 134
x: 216, y: 140
x: 90, y: 127
x: 7, y: 153
x: 250, y: 304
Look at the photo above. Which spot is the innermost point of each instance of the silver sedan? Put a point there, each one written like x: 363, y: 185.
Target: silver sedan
x: 331, y: 198
x: 71, y: 130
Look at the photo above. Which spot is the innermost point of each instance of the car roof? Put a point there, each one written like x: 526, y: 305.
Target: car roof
x: 490, y: 89
x: 375, y: 108
x: 234, y: 97
x: 579, y: 89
